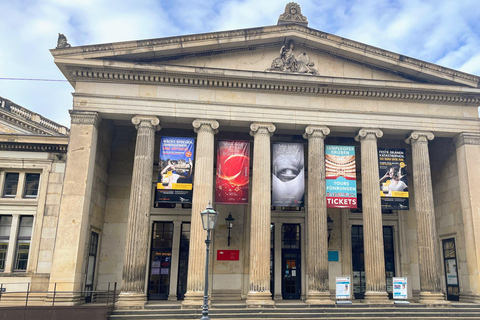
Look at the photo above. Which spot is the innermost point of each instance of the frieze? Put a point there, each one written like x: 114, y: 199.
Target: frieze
x: 12, y: 146
x: 466, y: 139
x: 85, y: 117
x: 123, y: 76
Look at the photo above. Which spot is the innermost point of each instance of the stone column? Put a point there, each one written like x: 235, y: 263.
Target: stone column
x: 259, y: 275
x: 132, y: 294
x: 427, y: 240
x: 202, y: 194
x: 317, y: 230
x: 73, y: 219
x: 372, y: 218
x: 468, y: 155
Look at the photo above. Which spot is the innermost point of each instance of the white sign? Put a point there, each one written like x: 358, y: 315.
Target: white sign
x: 400, y: 288
x: 342, y: 287
x: 451, y: 272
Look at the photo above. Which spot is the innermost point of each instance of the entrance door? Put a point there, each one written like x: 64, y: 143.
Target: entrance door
x: 183, y: 261
x: 92, y: 259
x: 358, y: 260
x: 160, y: 261
x: 450, y: 263
x: 291, y: 274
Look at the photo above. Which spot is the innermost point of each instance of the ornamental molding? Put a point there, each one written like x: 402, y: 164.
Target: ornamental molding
x: 270, y: 85
x: 463, y: 138
x: 316, y: 131
x: 85, y: 117
x: 335, y: 42
x: 13, y: 146
x: 369, y: 134
x: 419, y: 136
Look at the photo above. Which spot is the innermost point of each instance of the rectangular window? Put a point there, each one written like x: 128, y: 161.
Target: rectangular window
x: 31, y: 185
x: 5, y: 226
x: 11, y: 185
x: 23, y: 242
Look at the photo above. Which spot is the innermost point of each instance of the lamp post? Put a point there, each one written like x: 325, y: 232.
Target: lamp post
x: 209, y: 218
x: 229, y: 220
x: 329, y: 227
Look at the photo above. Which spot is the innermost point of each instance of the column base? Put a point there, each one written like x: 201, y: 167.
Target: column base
x: 469, y: 298
x: 259, y: 300
x: 319, y: 298
x: 432, y: 298
x: 131, y: 300
x: 377, y: 297
x: 192, y: 300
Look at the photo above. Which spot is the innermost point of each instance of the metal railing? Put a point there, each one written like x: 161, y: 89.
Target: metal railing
x: 13, y: 298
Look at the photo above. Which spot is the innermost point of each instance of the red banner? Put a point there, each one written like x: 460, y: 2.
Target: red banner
x: 233, y: 162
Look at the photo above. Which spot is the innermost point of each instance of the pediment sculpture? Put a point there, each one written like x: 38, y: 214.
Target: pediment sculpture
x: 62, y: 42
x: 290, y: 63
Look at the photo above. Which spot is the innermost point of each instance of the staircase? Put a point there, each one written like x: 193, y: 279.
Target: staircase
x: 299, y: 310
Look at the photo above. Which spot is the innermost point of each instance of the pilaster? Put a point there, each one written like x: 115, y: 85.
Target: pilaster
x: 317, y: 230
x: 259, y: 274
x: 132, y: 295
x: 427, y: 240
x: 372, y: 218
x: 202, y: 194
x: 468, y: 155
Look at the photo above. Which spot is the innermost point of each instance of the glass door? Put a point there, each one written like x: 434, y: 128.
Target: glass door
x: 160, y: 261
x: 451, y: 275
x: 183, y: 261
x: 291, y: 275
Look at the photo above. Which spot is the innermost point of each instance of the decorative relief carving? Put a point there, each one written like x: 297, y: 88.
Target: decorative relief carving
x: 146, y: 122
x: 62, y: 42
x: 316, y: 131
x: 369, y: 134
x: 262, y: 128
x: 205, y: 125
x: 419, y: 136
x: 466, y: 138
x: 292, y: 14
x: 287, y: 62
x: 85, y: 117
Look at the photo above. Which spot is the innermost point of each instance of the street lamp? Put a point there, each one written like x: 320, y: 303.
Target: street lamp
x: 209, y: 218
x: 229, y: 220
x: 329, y: 227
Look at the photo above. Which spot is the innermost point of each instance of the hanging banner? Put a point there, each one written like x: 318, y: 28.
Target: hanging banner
x: 175, y: 170
x: 341, y: 176
x: 393, y: 179
x: 288, y: 176
x: 233, y: 163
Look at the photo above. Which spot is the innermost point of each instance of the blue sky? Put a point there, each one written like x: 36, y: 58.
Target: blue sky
x: 445, y: 32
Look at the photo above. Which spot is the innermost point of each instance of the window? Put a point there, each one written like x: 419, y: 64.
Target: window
x: 23, y: 242
x: 31, y: 185
x: 11, y: 184
x: 5, y: 226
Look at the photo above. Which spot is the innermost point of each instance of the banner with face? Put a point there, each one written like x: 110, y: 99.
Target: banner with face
x: 393, y: 178
x: 288, y: 175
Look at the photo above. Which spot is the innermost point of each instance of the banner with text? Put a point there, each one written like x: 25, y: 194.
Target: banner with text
x: 393, y: 179
x: 175, y: 170
x: 341, y: 176
x: 233, y: 163
x: 288, y: 175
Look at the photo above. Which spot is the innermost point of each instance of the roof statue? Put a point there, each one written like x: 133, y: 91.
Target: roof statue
x: 292, y: 14
x: 288, y: 62
x: 62, y: 42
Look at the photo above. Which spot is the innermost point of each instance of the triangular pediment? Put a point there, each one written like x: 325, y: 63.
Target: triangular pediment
x: 254, y: 50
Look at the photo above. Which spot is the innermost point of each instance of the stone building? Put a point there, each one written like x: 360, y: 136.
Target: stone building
x: 32, y: 165
x: 285, y: 83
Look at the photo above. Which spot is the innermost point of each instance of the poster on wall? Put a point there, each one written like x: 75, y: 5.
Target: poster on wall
x: 175, y: 170
x: 288, y: 175
x: 233, y: 169
x: 341, y: 176
x: 393, y: 179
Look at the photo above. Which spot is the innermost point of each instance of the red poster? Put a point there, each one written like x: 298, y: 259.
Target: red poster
x: 233, y: 162
x: 232, y: 255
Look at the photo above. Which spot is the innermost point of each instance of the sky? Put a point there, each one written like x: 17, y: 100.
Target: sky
x: 445, y: 32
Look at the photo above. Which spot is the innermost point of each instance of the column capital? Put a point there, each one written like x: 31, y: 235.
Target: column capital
x: 205, y: 124
x: 146, y: 121
x: 262, y: 128
x: 466, y: 138
x: 369, y: 134
x: 85, y: 117
x: 316, y: 131
x: 419, y: 136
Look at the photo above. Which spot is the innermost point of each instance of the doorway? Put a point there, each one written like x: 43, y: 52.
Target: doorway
x: 160, y: 261
x: 291, y: 271
x: 450, y: 263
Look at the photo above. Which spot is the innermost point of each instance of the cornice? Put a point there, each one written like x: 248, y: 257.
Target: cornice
x: 42, y: 147
x: 275, y: 32
x: 260, y: 81
x: 25, y: 124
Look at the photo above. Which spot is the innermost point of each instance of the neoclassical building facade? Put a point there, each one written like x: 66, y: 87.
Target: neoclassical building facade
x: 289, y: 84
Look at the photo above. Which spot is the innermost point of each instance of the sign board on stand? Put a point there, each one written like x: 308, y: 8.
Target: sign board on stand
x: 342, y: 289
